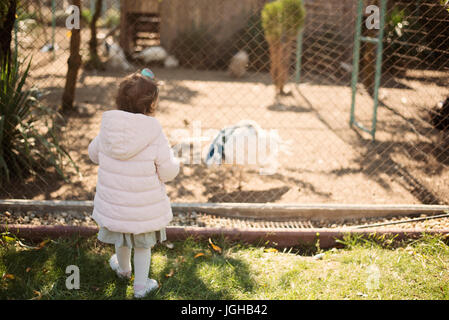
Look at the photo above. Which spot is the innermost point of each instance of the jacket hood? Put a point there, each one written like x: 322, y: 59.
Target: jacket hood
x: 124, y: 134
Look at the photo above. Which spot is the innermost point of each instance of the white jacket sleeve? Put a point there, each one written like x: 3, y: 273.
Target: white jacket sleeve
x: 167, y: 165
x: 93, y: 150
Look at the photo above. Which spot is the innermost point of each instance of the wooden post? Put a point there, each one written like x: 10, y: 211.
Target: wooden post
x: 124, y: 28
x: 74, y: 64
x: 94, y: 59
x: 6, y: 30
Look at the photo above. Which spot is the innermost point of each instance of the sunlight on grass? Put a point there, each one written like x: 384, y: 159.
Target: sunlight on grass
x: 364, y: 269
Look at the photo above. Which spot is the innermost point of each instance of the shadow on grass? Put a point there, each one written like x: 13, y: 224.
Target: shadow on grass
x: 42, y: 273
x: 210, y: 276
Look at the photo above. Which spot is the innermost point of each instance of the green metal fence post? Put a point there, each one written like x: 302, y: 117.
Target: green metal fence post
x: 378, y: 71
x: 383, y: 11
x: 299, y: 57
x: 356, y: 59
x: 53, y: 26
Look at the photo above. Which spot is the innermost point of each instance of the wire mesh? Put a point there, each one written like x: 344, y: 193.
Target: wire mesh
x: 213, y: 61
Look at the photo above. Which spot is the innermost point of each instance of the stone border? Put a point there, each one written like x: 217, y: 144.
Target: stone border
x: 275, y: 212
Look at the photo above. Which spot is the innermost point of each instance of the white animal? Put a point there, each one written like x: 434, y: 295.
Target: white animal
x: 238, y: 65
x: 171, y: 62
x: 117, y: 58
x: 151, y: 54
x: 246, y: 144
x: 346, y: 66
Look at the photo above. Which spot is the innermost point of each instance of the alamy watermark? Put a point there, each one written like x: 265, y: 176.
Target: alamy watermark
x: 73, y: 280
x: 373, y: 280
x: 73, y: 21
x: 373, y: 20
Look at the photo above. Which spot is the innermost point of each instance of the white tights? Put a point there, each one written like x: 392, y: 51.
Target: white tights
x: 142, y: 260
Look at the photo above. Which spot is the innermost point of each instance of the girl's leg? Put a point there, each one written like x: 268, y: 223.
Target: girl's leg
x: 123, y: 258
x: 142, y: 260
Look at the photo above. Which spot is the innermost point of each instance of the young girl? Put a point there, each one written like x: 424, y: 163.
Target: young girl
x: 135, y: 160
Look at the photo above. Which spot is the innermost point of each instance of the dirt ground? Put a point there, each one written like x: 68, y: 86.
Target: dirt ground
x: 329, y: 161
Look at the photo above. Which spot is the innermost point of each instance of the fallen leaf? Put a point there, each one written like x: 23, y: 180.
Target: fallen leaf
x: 9, y: 239
x: 43, y: 243
x: 318, y: 256
x: 8, y: 276
x: 28, y: 269
x: 271, y: 250
x: 171, y: 273
x: 37, y: 294
x: 215, y: 247
x: 198, y: 255
x: 26, y: 246
x: 169, y: 245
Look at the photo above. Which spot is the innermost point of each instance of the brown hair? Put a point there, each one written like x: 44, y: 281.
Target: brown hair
x: 137, y: 94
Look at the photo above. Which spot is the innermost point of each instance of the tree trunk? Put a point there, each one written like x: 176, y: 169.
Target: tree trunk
x: 74, y: 64
x: 94, y: 59
x: 284, y: 64
x: 279, y: 67
x: 275, y: 48
x: 6, y: 30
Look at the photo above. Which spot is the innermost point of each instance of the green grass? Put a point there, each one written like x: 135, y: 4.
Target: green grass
x: 377, y: 268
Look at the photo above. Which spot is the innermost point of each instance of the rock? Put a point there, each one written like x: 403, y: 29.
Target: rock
x: 318, y: 256
x: 151, y: 54
x: 238, y: 65
x: 171, y: 62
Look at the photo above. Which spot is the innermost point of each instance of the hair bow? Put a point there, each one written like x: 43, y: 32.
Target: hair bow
x: 148, y: 73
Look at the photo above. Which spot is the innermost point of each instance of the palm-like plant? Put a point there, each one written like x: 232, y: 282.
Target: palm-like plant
x: 282, y: 20
x: 28, y: 139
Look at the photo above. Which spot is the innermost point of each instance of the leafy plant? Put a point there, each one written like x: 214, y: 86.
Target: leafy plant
x: 282, y: 21
x: 396, y: 22
x: 86, y: 16
x: 111, y: 18
x: 445, y: 3
x: 28, y: 139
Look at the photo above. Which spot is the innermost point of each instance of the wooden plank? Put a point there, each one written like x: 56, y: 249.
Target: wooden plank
x: 275, y: 212
x: 143, y: 6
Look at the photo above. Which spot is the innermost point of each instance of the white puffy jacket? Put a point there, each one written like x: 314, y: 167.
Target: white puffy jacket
x: 135, y: 160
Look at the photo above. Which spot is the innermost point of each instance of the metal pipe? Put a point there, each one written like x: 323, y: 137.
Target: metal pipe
x: 356, y: 59
x: 280, y: 238
x: 400, y: 222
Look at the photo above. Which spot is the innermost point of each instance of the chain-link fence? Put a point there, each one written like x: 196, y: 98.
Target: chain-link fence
x: 213, y: 60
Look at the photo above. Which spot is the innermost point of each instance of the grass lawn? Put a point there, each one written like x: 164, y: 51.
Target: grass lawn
x: 363, y: 269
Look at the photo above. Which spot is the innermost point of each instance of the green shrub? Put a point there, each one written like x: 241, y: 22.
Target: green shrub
x: 86, y: 15
x: 28, y: 139
x: 111, y: 18
x: 283, y: 18
x: 282, y: 21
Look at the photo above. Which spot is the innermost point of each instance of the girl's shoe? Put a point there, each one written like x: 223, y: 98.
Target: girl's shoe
x: 113, y: 262
x: 142, y: 291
